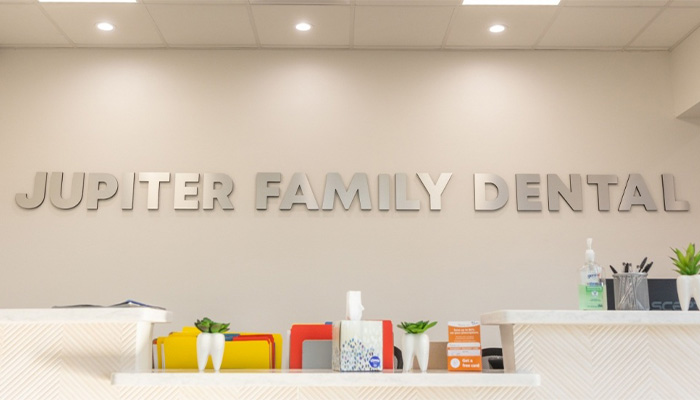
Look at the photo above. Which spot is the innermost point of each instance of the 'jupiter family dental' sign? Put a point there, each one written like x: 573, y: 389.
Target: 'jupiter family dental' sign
x: 491, y: 192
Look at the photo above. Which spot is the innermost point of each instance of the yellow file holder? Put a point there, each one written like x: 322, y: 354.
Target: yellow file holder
x: 246, y: 351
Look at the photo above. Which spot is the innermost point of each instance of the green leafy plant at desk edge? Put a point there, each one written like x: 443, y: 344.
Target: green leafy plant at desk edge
x: 417, y: 327
x: 208, y: 326
x: 688, y: 263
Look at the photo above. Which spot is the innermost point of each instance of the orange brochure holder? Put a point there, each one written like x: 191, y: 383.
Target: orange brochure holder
x: 302, y: 332
x: 464, y: 346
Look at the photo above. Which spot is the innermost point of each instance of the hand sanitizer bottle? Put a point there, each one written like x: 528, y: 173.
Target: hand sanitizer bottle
x: 591, y: 287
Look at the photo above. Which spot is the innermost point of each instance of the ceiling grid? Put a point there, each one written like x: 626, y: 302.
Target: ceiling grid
x: 622, y: 25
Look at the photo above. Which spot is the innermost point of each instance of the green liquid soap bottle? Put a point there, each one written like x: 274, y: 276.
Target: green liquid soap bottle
x: 591, y: 286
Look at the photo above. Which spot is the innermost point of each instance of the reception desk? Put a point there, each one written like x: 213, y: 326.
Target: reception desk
x: 71, y: 353
x: 603, y: 354
x: 105, y: 353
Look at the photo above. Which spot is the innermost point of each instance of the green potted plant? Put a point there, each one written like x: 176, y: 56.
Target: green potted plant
x: 210, y: 342
x: 416, y: 341
x: 688, y: 282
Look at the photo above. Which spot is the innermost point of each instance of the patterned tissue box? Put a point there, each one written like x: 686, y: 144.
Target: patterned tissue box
x: 357, y: 346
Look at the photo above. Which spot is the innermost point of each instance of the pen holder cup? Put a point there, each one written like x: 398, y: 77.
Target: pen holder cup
x: 631, y: 291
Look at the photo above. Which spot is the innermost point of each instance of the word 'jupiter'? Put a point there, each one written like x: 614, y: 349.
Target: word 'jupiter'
x: 100, y: 187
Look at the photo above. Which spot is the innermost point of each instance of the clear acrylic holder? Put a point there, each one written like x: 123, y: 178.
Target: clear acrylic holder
x: 631, y: 291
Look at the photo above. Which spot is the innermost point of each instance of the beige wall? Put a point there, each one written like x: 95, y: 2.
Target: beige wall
x: 243, y: 112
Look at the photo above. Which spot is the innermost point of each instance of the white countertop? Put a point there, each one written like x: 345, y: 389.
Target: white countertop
x: 578, y: 317
x: 324, y: 378
x: 85, y: 314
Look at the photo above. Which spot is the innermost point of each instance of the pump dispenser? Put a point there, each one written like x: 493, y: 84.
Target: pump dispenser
x: 591, y: 288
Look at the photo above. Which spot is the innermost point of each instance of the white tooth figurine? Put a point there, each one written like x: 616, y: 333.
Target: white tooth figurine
x: 353, y: 306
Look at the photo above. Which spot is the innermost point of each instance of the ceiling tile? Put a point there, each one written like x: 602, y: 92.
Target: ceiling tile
x: 469, y: 27
x: 276, y: 25
x: 684, y: 3
x: 401, y: 26
x: 25, y: 24
x: 588, y: 27
x: 673, y: 25
x: 134, y: 27
x: 614, y: 3
x: 206, y: 24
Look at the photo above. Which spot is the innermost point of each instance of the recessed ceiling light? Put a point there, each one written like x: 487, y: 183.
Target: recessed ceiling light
x: 510, y: 2
x: 497, y: 28
x: 303, y: 26
x: 105, y: 26
x: 87, y: 1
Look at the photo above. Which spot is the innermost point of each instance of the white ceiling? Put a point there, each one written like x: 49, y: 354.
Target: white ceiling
x: 358, y: 24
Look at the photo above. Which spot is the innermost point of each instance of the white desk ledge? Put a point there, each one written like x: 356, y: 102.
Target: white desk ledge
x: 325, y: 378
x: 578, y: 317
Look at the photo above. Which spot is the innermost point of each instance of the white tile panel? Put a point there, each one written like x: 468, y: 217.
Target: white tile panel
x: 25, y: 24
x: 401, y: 26
x: 469, y: 27
x: 134, y: 26
x: 205, y: 24
x: 596, y: 27
x: 276, y: 25
x: 669, y: 28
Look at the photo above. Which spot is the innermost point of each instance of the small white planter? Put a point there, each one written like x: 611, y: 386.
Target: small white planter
x: 417, y: 344
x: 210, y: 344
x: 687, y: 286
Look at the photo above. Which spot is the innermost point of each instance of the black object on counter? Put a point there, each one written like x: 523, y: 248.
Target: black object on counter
x: 663, y: 295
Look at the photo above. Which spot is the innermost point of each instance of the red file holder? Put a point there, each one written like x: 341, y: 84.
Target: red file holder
x: 302, y: 332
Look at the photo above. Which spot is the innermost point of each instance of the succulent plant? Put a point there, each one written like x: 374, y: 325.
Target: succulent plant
x: 688, y: 263
x: 417, y: 327
x: 208, y: 326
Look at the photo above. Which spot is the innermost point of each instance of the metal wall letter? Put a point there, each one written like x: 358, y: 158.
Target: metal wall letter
x: 23, y: 200
x: 180, y: 201
x: 435, y: 189
x: 556, y: 188
x: 128, y: 191
x: 384, y: 192
x: 299, y: 192
x: 603, y: 183
x: 636, y: 185
x: 154, y: 179
x: 523, y: 192
x: 668, y: 183
x: 263, y: 191
x: 100, y: 187
x: 402, y: 203
x: 56, y: 189
x: 359, y: 184
x: 219, y: 187
x: 480, y: 201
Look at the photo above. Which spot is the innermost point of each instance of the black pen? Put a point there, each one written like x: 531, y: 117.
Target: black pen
x: 613, y: 269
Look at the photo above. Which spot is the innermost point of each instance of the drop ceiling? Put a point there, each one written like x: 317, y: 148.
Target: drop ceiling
x: 350, y: 24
